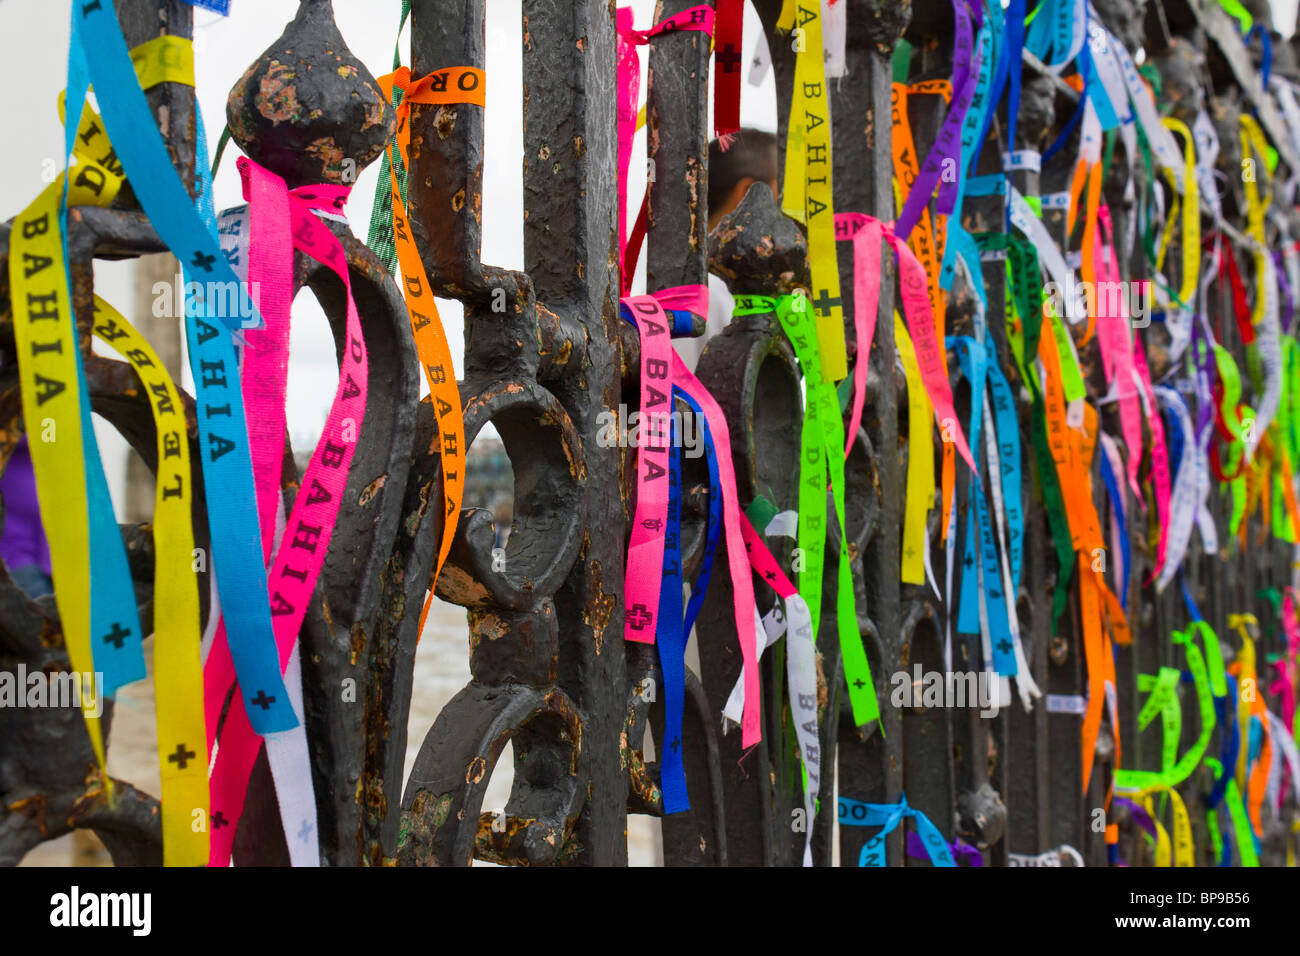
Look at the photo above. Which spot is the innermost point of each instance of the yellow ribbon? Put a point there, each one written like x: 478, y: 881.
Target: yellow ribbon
x: 1253, y: 136
x: 1244, y: 624
x: 48, y: 348
x: 164, y: 59
x: 178, y: 670
x: 1191, y: 218
x: 45, y: 336
x: 920, y: 460
x: 806, y: 190
x: 1183, y: 850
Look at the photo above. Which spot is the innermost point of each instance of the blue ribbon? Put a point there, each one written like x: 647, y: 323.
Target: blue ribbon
x: 992, y: 184
x: 1230, y: 744
x: 714, y: 532
x: 1117, y: 502
x: 1176, y: 439
x: 1266, y: 52
x: 887, y: 816
x: 1004, y: 412
x: 1096, y: 91
x: 227, y: 467
x: 1004, y: 57
x: 1015, y: 27
x: 671, y: 641
x: 973, y: 358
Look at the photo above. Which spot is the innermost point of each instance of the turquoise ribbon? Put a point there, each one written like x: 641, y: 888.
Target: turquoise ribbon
x: 1004, y: 413
x: 887, y: 816
x: 974, y: 360
x: 117, y: 640
x: 227, y: 467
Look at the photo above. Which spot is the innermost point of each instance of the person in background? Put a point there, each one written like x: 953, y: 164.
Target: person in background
x: 751, y: 158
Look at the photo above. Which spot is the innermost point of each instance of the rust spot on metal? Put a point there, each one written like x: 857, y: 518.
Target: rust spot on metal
x: 600, y: 607
x: 33, y: 808
x: 476, y: 771
x: 458, y: 200
x: 444, y: 121
x: 458, y: 585
x: 368, y: 493
x: 356, y: 642
x: 277, y: 98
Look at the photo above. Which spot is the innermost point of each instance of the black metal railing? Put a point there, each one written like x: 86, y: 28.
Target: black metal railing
x: 551, y: 673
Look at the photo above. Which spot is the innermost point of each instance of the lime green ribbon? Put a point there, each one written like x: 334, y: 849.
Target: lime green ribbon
x: 1164, y: 700
x: 1237, y: 814
x: 822, y: 449
x: 1233, y: 8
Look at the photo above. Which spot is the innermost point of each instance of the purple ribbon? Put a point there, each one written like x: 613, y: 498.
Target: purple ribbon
x: 965, y: 71
x: 960, y: 850
x: 1140, y: 815
x: 1287, y: 296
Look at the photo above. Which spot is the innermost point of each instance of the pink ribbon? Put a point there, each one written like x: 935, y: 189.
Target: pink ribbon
x: 1117, y: 350
x: 661, y: 369
x: 281, y: 221
x: 1286, y: 666
x: 742, y: 581
x: 931, y: 358
x: 628, y: 86
x: 866, y: 233
x: 1159, y: 451
x: 645, y: 553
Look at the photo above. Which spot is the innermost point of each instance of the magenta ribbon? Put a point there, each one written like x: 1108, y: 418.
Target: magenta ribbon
x: 645, y: 553
x: 1117, y: 350
x: 661, y: 370
x: 282, y: 220
x: 1284, y: 685
x: 742, y: 581
x: 629, y: 87
x: 866, y: 233
x: 931, y: 358
x: 1159, y: 451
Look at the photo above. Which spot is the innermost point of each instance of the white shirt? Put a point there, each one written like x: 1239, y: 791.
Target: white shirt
x: 720, y: 306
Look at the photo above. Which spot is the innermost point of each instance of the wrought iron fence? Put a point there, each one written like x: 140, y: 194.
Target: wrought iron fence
x: 551, y: 672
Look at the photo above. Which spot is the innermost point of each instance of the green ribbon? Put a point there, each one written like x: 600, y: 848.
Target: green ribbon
x: 380, y: 238
x: 822, y: 448
x: 753, y: 305
x: 1233, y: 8
x: 1164, y: 699
x: 1212, y: 822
